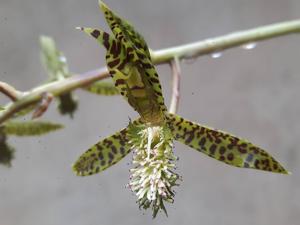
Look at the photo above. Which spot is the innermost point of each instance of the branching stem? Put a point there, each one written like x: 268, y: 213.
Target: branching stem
x: 192, y: 50
x: 222, y: 43
x: 10, y: 91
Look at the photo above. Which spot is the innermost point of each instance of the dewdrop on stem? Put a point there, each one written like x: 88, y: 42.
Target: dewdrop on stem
x: 216, y: 55
x: 249, y: 46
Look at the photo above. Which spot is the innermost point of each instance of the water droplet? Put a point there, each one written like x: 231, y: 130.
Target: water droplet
x: 216, y: 55
x: 63, y: 59
x: 249, y: 46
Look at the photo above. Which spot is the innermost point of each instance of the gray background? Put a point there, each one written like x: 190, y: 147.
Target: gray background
x: 254, y: 94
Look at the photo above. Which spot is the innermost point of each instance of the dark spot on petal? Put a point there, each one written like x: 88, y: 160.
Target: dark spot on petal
x: 230, y: 156
x: 110, y: 156
x: 222, y: 150
x: 95, y: 33
x: 212, y: 149
x: 249, y: 157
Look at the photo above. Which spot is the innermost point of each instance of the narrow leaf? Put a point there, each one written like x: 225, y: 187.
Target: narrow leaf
x: 222, y: 146
x: 30, y: 128
x: 54, y: 61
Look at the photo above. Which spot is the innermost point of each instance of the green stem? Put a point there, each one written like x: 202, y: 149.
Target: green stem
x: 10, y: 91
x: 55, y: 88
x: 231, y: 40
x: 161, y: 56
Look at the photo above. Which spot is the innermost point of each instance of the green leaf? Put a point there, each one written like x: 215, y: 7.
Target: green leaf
x: 102, y: 88
x: 222, y: 146
x: 30, y: 128
x: 53, y: 60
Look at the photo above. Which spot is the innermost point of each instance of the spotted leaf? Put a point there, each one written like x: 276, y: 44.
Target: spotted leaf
x: 102, y: 155
x: 222, y: 146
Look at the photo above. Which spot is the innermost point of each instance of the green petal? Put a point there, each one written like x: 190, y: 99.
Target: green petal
x: 29, y: 128
x: 103, y: 38
x: 129, y: 63
x: 222, y: 146
x: 112, y: 58
x: 136, y: 47
x: 139, y: 86
x: 103, y: 154
x: 119, y: 25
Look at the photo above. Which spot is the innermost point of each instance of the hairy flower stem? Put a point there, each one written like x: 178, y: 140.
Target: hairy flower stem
x: 153, y: 177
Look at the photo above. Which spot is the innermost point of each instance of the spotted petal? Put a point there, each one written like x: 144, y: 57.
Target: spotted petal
x: 138, y: 56
x: 122, y: 28
x: 102, y: 155
x: 222, y: 146
x: 134, y: 79
x: 102, y: 37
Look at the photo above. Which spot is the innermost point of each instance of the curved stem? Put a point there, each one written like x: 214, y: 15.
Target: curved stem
x: 221, y: 43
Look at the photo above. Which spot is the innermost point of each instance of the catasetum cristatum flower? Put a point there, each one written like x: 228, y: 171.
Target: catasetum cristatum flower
x: 151, y: 136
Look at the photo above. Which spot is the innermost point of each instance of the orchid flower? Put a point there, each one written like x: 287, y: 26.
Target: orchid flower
x: 151, y: 136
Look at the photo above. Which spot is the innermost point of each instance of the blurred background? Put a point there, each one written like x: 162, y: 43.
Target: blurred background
x: 251, y: 93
